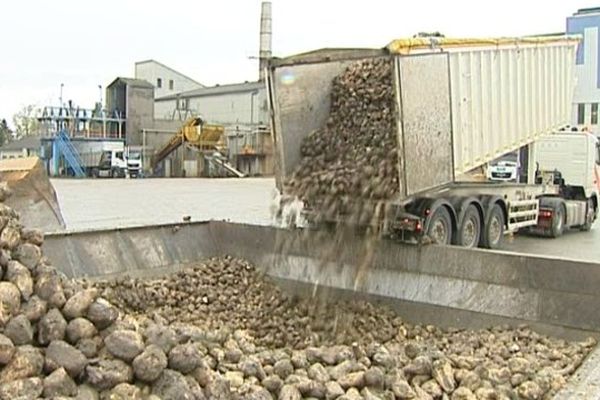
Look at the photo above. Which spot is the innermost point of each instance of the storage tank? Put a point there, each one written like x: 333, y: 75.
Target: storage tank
x: 461, y: 103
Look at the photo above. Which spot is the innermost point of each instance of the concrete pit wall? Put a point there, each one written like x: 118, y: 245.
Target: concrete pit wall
x: 448, y: 286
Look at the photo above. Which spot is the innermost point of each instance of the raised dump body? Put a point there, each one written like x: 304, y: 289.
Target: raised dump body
x: 459, y: 103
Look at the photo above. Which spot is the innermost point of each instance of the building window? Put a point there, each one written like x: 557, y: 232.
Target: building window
x: 580, y: 113
x: 594, y: 114
x: 158, y: 83
x: 171, y: 84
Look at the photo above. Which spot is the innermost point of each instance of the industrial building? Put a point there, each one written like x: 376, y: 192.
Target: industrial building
x: 241, y: 108
x: 147, y: 112
x: 586, y: 22
x: 25, y: 147
x: 166, y: 80
x: 239, y: 103
x: 73, y: 138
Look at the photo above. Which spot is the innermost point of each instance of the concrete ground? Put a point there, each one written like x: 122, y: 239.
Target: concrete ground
x: 109, y: 203
x: 574, y: 244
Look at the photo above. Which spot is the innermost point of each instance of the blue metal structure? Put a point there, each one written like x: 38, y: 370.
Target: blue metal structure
x: 62, y: 146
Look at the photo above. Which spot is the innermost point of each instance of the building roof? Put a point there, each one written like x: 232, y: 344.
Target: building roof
x: 585, y: 11
x: 27, y: 142
x: 217, y: 90
x: 132, y: 82
x: 169, y: 68
x: 326, y: 54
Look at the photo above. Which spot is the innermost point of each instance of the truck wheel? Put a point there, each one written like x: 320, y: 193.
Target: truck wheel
x: 589, y: 217
x: 558, y: 222
x: 493, y: 232
x: 470, y: 228
x: 439, y: 229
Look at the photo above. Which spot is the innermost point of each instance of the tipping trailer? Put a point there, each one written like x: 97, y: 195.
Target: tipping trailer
x: 460, y: 103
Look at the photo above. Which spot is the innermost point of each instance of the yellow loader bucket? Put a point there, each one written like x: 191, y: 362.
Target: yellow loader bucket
x: 33, y: 196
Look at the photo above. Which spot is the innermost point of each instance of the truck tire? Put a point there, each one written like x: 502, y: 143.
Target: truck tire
x: 589, y: 217
x: 469, y: 232
x: 558, y: 221
x: 439, y: 228
x: 493, y: 231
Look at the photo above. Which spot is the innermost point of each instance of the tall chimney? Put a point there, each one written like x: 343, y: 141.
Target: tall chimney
x: 265, y: 39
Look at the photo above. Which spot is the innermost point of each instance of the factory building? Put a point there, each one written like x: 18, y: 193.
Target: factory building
x: 166, y: 80
x: 242, y: 108
x: 586, y: 99
x: 238, y: 103
x: 147, y: 111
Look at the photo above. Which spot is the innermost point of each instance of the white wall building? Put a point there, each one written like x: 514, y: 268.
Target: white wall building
x: 586, y: 22
x: 166, y: 80
x: 240, y: 103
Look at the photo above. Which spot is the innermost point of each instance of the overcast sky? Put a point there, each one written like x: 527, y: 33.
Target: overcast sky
x: 85, y: 43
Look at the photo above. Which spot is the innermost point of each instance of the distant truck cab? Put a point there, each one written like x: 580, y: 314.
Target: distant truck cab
x: 121, y: 162
x: 134, y: 163
x: 112, y: 164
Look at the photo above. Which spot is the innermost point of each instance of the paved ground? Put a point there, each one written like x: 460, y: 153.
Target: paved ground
x: 573, y: 244
x: 107, y: 203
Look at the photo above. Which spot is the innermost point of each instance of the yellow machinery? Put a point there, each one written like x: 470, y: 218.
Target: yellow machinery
x: 194, y: 132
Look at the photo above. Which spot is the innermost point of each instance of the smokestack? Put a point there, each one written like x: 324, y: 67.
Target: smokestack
x: 265, y: 39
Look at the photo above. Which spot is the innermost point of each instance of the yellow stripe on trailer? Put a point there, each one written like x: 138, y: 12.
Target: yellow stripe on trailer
x: 408, y: 45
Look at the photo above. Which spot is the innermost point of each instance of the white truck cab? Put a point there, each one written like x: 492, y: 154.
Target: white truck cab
x: 570, y: 160
x: 134, y: 163
x: 112, y: 164
x: 576, y: 155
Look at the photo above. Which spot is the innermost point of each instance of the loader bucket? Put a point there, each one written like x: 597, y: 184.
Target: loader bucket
x: 32, y: 193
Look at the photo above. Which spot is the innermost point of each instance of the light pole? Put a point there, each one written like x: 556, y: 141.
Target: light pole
x: 61, y: 92
x: 100, y: 88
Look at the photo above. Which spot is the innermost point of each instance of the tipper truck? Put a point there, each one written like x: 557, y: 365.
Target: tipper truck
x: 459, y: 104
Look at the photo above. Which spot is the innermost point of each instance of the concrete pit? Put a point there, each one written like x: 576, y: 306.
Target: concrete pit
x: 221, y: 328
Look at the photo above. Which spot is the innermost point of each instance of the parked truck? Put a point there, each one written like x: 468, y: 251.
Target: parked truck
x: 459, y: 105
x: 119, y: 162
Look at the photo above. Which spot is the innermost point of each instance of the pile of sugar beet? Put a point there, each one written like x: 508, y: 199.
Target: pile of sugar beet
x: 351, y: 164
x: 221, y: 330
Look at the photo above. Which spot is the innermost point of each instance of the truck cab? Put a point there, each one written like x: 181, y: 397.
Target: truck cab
x: 570, y: 160
x: 134, y: 163
x: 112, y: 164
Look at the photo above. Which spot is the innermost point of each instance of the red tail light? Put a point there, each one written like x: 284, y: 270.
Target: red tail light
x: 545, y: 214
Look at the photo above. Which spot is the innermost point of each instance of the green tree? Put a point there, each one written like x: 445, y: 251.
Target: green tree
x: 26, y: 122
x: 5, y: 133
